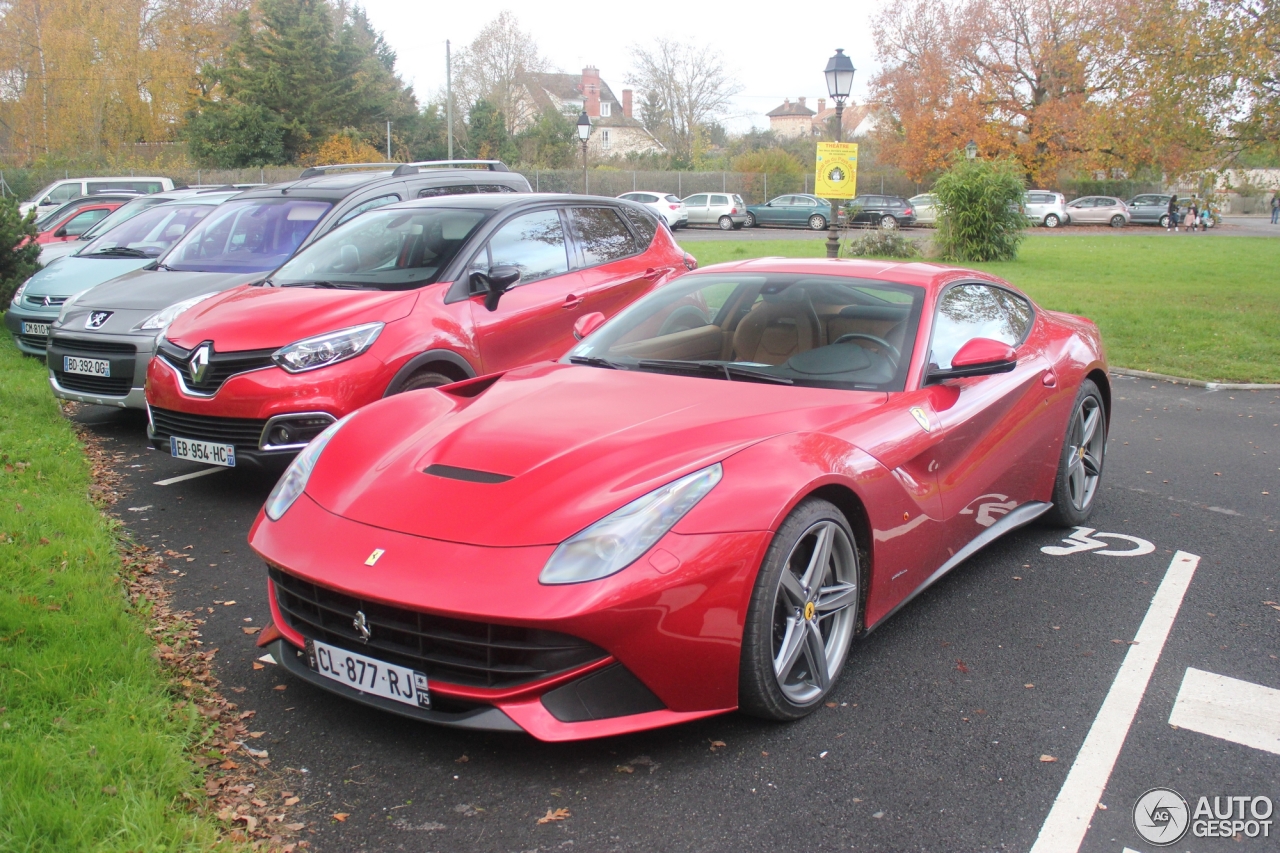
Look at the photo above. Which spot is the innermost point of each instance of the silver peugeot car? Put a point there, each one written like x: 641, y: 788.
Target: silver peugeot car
x: 104, y: 337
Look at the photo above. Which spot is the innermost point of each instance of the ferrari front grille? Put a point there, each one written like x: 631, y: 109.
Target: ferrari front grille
x: 459, y: 651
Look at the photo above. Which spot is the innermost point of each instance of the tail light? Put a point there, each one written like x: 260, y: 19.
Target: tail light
x: 909, y: 212
x: 733, y: 210
x: 674, y: 206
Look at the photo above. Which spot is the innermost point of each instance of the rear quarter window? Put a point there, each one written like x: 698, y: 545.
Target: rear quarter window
x: 646, y: 226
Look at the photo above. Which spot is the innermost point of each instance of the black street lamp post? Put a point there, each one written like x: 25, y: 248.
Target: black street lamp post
x: 839, y: 73
x: 584, y: 133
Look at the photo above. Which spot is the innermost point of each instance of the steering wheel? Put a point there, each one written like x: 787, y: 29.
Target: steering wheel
x: 682, y: 319
x: 892, y: 351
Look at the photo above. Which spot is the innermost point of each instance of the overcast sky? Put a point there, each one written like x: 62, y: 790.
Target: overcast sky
x: 772, y: 52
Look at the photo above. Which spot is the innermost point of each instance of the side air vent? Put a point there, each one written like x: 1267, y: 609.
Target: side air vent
x: 466, y: 474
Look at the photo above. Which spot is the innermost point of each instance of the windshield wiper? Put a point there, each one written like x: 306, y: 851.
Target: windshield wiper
x: 327, y: 285
x: 122, y: 251
x: 594, y: 361
x: 725, y: 369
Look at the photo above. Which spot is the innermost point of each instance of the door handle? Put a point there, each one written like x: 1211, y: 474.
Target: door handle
x: 651, y: 273
x: 572, y: 301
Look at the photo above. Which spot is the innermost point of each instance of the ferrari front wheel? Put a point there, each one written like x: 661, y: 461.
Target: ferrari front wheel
x: 1080, y: 467
x: 803, y: 613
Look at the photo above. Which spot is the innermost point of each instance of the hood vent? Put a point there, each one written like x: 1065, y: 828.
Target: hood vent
x: 468, y: 475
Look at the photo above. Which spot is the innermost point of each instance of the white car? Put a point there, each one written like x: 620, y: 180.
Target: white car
x: 61, y: 192
x: 670, y: 208
x: 926, y: 208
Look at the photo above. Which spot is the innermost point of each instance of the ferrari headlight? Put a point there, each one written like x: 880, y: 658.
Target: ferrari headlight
x: 617, y: 540
x: 290, y: 486
x: 162, y: 319
x: 17, y: 294
x: 323, y: 350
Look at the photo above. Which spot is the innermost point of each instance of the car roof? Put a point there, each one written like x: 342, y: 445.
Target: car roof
x: 339, y: 185
x: 498, y: 201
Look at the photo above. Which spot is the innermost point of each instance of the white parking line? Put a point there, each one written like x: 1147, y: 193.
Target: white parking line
x: 1228, y: 708
x: 191, y: 476
x: 1068, y: 821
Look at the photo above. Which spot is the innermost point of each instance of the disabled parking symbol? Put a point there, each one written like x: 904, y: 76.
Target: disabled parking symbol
x: 1088, y: 539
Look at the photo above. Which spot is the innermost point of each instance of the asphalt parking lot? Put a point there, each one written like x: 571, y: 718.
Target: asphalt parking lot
x: 944, y: 722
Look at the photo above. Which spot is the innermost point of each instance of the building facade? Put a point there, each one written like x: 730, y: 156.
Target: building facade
x: 614, y: 128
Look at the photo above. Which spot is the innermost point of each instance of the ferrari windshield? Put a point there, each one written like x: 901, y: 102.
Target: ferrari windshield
x: 786, y: 328
x: 148, y: 234
x: 389, y: 249
x: 250, y: 236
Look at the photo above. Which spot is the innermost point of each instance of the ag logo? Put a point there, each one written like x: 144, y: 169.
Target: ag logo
x: 97, y: 319
x: 1161, y: 816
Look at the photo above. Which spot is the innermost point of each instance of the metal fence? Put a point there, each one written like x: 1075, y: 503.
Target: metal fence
x: 25, y: 183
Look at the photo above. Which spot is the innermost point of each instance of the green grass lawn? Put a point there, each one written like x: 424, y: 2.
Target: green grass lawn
x: 92, y: 750
x: 1204, y: 307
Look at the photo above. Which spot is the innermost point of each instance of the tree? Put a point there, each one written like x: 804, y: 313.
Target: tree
x: 304, y: 69
x: 551, y: 142
x: 19, y: 251
x: 981, y: 215
x: 683, y: 88
x: 489, y: 69
x: 487, y: 137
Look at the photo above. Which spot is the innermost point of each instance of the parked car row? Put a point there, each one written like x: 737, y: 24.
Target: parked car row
x: 518, y: 427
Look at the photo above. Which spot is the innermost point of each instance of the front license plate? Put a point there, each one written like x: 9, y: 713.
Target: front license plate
x: 369, y: 675
x: 35, y: 328
x: 84, y: 366
x: 203, y: 451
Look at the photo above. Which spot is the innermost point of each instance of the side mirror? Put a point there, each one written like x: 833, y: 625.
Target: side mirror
x: 61, y: 232
x: 978, y: 357
x: 587, y: 324
x: 498, y: 281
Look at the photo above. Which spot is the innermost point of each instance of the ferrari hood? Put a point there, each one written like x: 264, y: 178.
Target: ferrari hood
x: 70, y: 275
x: 156, y: 289
x: 251, y: 318
x: 548, y: 450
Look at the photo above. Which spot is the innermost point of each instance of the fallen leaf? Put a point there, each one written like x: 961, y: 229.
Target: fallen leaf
x: 294, y: 827
x: 1047, y: 759
x: 256, y: 735
x: 1102, y: 807
x: 960, y: 665
x: 717, y: 744
x: 341, y: 817
x: 550, y: 816
x: 251, y: 630
x: 765, y: 754
x: 228, y: 603
x: 281, y: 687
x: 831, y: 704
x: 228, y: 765
x: 1028, y: 685
x: 292, y: 801
x: 257, y: 665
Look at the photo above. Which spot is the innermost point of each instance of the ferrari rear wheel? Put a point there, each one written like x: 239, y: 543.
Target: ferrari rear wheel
x: 803, y: 614
x: 1080, y: 468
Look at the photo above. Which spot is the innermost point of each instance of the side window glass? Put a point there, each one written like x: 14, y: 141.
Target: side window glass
x: 696, y: 201
x: 645, y: 226
x: 66, y: 192
x: 371, y: 204
x: 720, y: 200
x: 80, y: 224
x: 602, y: 234
x: 436, y: 192
x: 970, y: 311
x: 534, y: 243
x: 494, y: 188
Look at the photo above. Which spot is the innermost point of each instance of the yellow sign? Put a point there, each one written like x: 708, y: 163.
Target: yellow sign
x: 837, y: 175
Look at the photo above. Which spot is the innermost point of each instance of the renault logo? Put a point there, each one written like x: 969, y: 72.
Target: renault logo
x: 199, y: 364
x: 97, y: 319
x: 361, y: 624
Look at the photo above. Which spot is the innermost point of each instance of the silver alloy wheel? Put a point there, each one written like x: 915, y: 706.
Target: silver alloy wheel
x: 725, y: 223
x: 1087, y: 443
x: 888, y: 223
x: 751, y: 219
x: 1051, y: 221
x: 1117, y: 221
x: 818, y: 222
x: 813, y: 612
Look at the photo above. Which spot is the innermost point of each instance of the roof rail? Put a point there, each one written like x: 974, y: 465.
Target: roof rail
x: 490, y: 165
x: 317, y: 171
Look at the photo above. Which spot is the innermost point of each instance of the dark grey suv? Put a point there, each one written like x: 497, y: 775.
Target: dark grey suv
x: 881, y: 211
x: 101, y: 342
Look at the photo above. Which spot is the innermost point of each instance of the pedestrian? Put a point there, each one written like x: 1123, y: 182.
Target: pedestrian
x: 1275, y: 208
x: 1173, y: 213
x: 1193, y: 216
x: 1205, y: 217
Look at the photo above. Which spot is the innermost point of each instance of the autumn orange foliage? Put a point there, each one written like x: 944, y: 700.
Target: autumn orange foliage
x: 344, y: 148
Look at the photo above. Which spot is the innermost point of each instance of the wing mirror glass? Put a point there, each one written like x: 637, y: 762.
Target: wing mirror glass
x: 587, y: 324
x: 61, y: 232
x: 496, y: 282
x: 978, y: 357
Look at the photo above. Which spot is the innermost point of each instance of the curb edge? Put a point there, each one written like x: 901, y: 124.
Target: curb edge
x: 1198, y: 383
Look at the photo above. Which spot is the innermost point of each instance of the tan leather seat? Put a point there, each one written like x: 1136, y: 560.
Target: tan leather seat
x: 777, y: 328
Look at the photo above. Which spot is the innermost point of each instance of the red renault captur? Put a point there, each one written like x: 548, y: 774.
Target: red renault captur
x: 407, y: 296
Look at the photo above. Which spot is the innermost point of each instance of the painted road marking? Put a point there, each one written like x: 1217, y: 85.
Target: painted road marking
x: 1228, y: 708
x: 191, y: 476
x: 1086, y: 539
x: 1068, y: 821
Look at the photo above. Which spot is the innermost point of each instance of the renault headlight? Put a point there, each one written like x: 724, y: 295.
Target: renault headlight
x: 162, y: 319
x: 620, y: 538
x: 290, y: 486
x: 323, y: 350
